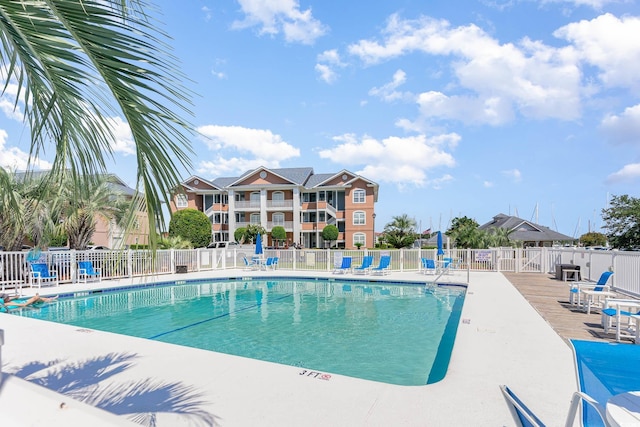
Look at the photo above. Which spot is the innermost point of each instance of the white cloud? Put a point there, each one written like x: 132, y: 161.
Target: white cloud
x: 624, y: 128
x: 487, y: 184
x: 260, y: 146
x: 281, y: 16
x: 494, y: 79
x: 327, y: 62
x: 326, y: 73
x: 207, y: 13
x: 388, y: 91
x: 12, y: 158
x: 514, y: 174
x: 594, y: 4
x: 123, y: 142
x: 609, y: 43
x: 629, y: 172
x: 399, y: 160
x: 219, y: 74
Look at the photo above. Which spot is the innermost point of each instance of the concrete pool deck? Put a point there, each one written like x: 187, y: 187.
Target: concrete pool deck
x: 501, y: 340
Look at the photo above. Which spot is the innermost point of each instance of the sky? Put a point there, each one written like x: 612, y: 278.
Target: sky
x: 475, y: 108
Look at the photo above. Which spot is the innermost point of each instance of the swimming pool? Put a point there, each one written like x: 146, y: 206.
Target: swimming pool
x: 394, y: 333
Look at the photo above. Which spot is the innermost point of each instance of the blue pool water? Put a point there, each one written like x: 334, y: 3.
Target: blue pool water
x: 398, y: 334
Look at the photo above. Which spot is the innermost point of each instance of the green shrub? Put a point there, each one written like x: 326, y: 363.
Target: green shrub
x: 191, y: 225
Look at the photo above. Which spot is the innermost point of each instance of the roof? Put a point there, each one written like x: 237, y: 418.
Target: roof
x: 303, y: 177
x: 523, y: 230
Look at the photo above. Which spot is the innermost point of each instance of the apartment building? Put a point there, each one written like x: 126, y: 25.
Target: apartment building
x: 297, y: 199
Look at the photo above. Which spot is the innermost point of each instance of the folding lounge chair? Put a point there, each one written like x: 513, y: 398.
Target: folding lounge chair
x: 526, y: 418
x: 383, y: 265
x: 250, y: 265
x: 345, y: 267
x: 366, y: 265
x: 428, y: 266
x: 40, y: 275
x: 86, y: 271
x: 270, y: 263
x: 576, y: 287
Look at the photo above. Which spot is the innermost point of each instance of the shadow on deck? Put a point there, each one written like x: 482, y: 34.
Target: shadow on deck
x: 550, y: 298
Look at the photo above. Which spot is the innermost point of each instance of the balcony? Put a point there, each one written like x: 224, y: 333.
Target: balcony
x: 280, y: 205
x: 288, y: 225
x: 247, y: 205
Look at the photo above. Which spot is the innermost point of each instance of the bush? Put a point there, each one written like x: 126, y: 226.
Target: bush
x: 191, y: 225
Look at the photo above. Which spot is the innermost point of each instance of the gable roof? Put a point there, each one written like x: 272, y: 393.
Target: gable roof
x: 523, y: 230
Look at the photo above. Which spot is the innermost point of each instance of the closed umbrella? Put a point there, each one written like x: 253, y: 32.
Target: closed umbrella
x: 258, y: 244
x: 440, y: 248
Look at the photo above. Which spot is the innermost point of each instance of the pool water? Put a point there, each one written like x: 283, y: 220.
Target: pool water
x: 398, y: 334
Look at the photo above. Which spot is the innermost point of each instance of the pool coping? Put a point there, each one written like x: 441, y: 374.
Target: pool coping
x: 501, y: 339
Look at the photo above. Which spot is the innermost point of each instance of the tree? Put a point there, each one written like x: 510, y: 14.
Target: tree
x: 81, y: 203
x: 278, y: 233
x: 76, y: 64
x: 192, y: 225
x: 593, y: 239
x: 465, y: 234
x: 249, y: 233
x: 400, y: 232
x: 622, y: 221
x: 330, y: 233
x: 238, y: 235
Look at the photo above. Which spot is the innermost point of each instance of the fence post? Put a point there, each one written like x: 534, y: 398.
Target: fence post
x: 130, y: 263
x: 1, y: 344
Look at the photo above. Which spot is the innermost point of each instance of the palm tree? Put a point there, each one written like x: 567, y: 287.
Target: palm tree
x: 25, y: 209
x: 76, y: 63
x: 400, y: 232
x: 79, y: 206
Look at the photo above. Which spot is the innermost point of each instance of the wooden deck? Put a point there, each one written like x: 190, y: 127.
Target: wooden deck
x: 550, y: 298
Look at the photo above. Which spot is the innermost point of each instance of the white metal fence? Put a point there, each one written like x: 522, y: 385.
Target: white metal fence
x: 14, y: 266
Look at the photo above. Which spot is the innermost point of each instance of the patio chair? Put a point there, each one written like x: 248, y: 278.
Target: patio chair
x: 39, y: 274
x: 345, y: 267
x: 428, y: 266
x: 624, y: 311
x: 250, y: 265
x: 366, y: 265
x: 595, y: 294
x: 383, y: 265
x: 86, y: 271
x: 526, y: 418
x: 576, y: 287
x: 270, y: 263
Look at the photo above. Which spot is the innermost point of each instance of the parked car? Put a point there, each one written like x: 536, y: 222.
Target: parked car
x: 98, y: 248
x: 219, y: 245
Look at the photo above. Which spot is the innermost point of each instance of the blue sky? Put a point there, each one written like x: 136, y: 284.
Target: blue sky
x: 454, y: 108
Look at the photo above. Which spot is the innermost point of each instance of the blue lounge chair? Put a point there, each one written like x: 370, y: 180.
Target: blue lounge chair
x: 366, y: 265
x: 428, y: 266
x: 526, y: 418
x: 345, y: 267
x: 271, y: 263
x: 575, y: 288
x: 40, y: 275
x: 86, y: 271
x: 383, y: 265
x: 250, y: 265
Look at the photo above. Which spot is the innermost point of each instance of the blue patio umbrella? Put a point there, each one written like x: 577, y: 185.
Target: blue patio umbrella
x: 440, y: 249
x: 258, y: 244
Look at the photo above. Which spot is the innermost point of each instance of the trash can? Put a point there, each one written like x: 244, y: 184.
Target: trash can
x: 561, y: 267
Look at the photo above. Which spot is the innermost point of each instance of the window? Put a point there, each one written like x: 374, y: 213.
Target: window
x: 359, y: 196
x: 181, y: 201
x: 360, y: 238
x: 255, y: 218
x: 278, y: 219
x: 277, y: 195
x: 208, y: 201
x: 308, y: 197
x: 321, y: 196
x: 359, y: 218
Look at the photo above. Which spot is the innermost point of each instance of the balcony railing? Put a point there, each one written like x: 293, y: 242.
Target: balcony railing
x: 288, y: 225
x: 280, y: 204
x: 247, y: 205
